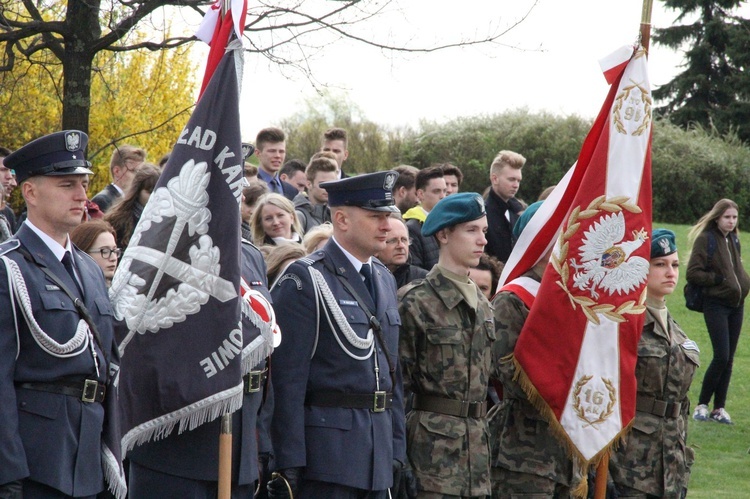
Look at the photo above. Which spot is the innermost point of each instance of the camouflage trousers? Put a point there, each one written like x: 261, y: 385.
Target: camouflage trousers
x: 623, y: 491
x: 512, y: 485
x: 437, y: 495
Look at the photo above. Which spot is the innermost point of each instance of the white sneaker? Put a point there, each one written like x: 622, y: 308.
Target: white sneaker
x: 701, y: 413
x: 721, y: 416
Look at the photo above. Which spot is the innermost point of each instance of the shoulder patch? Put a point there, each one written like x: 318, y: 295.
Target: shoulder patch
x: 690, y: 345
x: 293, y: 277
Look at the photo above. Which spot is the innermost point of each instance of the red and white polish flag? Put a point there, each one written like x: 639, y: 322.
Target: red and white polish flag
x: 578, y: 348
x: 216, y: 29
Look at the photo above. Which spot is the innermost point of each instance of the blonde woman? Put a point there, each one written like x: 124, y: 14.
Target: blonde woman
x: 278, y: 258
x: 274, y: 221
x: 317, y: 237
x: 716, y: 266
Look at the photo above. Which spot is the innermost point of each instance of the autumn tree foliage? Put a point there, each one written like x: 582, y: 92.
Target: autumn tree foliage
x: 73, y: 35
x: 136, y: 98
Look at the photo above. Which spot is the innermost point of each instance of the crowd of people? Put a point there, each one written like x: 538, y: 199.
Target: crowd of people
x: 393, y: 378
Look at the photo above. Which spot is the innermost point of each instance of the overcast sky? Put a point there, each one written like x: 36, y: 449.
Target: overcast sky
x: 554, y: 67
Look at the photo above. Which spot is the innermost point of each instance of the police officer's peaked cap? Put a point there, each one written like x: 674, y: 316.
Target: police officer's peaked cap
x: 371, y: 191
x: 453, y: 210
x: 663, y: 243
x: 59, y: 153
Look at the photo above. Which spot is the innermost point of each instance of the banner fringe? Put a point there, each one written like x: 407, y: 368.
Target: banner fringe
x: 188, y: 418
x: 580, y: 490
x: 254, y: 353
x: 114, y: 475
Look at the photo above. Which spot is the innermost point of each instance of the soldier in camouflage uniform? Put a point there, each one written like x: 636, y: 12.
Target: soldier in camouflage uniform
x: 654, y: 459
x: 527, y: 459
x: 445, y: 347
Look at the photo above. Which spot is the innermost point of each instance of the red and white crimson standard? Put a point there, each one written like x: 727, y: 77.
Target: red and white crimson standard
x: 578, y: 348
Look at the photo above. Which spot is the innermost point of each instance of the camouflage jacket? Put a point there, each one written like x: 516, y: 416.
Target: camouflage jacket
x: 521, y: 439
x: 654, y: 457
x: 445, y: 349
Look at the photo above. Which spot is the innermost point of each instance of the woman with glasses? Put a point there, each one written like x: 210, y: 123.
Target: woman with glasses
x: 97, y: 238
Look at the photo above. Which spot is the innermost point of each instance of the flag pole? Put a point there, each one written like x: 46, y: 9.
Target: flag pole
x: 646, y: 24
x: 225, y: 457
x: 225, y: 435
x: 602, y: 469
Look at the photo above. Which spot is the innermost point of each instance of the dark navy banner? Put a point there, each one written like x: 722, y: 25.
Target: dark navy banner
x: 176, y: 291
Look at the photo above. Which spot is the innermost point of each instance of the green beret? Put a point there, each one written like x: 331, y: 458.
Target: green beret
x: 662, y: 243
x: 453, y: 210
x: 524, y: 219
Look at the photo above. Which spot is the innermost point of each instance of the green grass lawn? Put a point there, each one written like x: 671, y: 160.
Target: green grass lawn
x: 722, y: 462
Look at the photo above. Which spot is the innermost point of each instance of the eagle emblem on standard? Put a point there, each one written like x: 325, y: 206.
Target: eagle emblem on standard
x: 607, y: 261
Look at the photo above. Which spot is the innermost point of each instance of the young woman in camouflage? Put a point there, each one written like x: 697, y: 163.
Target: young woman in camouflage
x: 653, y: 459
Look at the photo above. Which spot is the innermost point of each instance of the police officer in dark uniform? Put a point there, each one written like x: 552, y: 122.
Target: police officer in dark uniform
x: 57, y: 348
x: 186, y: 464
x: 338, y: 425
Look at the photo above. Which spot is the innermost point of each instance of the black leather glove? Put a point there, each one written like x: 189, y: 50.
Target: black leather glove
x: 396, y: 487
x: 284, y: 484
x: 12, y: 490
x: 404, y: 482
x: 408, y: 483
x: 264, y: 475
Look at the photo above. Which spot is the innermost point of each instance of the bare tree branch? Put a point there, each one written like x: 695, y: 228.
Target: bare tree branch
x: 167, y: 43
x: 114, y: 141
x: 287, y: 33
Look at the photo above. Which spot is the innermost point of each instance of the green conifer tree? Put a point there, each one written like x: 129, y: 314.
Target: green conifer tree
x: 713, y: 90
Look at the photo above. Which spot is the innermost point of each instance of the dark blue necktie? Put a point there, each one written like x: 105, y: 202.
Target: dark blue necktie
x: 276, y: 186
x: 366, y: 272
x: 67, y: 262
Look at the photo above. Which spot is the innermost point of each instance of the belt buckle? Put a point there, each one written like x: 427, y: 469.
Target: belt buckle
x: 90, y: 387
x: 379, y: 400
x: 254, y: 381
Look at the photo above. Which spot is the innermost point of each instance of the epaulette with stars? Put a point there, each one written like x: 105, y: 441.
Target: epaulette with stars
x: 311, y: 258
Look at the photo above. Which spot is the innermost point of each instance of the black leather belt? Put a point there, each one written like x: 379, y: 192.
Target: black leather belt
x: 450, y: 407
x: 88, y: 390
x: 253, y: 381
x: 658, y: 407
x: 376, y: 402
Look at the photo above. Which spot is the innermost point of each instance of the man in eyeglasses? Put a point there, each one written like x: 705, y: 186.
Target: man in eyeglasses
x: 395, y: 256
x: 126, y: 159
x: 57, y: 348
